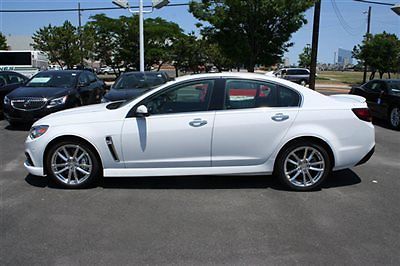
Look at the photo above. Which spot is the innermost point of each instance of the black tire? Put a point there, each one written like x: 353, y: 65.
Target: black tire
x: 303, y: 82
x: 286, y: 154
x: 392, y: 122
x: 88, y: 181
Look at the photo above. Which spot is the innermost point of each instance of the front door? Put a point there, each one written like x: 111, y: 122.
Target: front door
x: 255, y: 118
x: 178, y: 131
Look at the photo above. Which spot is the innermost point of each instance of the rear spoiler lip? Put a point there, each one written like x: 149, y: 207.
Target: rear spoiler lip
x: 349, y: 98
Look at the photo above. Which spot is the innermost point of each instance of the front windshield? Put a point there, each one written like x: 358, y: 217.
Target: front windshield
x: 53, y: 79
x: 138, y: 81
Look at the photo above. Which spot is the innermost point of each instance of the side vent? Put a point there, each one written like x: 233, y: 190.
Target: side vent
x: 111, y: 147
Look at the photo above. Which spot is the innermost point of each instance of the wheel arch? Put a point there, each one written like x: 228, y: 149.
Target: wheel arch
x: 65, y: 138
x: 313, y: 139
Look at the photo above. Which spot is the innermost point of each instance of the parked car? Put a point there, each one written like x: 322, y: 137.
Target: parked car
x: 133, y: 84
x: 383, y: 99
x: 9, y: 81
x: 51, y: 91
x: 297, y: 75
x: 106, y: 70
x: 207, y: 124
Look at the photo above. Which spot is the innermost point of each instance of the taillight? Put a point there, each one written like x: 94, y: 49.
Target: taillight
x: 363, y: 114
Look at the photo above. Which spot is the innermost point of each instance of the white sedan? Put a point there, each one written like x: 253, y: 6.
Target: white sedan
x: 209, y: 124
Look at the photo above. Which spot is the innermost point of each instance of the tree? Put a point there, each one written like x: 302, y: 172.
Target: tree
x: 3, y: 42
x: 305, y: 57
x: 381, y: 52
x: 251, y: 32
x: 60, y: 43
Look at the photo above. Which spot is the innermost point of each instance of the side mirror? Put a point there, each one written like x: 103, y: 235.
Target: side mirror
x: 141, y: 111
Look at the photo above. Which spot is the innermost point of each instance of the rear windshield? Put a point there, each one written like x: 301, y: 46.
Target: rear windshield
x: 53, y: 79
x: 139, y: 81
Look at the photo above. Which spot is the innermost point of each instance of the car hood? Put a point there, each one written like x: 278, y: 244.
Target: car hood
x: 124, y: 94
x: 85, y: 114
x: 45, y: 92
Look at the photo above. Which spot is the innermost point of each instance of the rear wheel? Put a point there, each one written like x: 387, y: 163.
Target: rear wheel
x: 394, y: 118
x: 303, y: 166
x: 303, y: 82
x: 72, y: 164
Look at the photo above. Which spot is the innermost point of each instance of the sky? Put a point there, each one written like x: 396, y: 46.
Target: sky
x: 334, y: 33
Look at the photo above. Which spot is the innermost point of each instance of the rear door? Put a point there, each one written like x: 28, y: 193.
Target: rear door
x: 255, y: 118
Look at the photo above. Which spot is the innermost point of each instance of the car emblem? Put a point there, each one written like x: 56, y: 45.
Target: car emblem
x: 26, y: 103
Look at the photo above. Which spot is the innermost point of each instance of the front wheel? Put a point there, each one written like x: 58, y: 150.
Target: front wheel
x: 394, y: 118
x: 303, y: 166
x: 72, y: 164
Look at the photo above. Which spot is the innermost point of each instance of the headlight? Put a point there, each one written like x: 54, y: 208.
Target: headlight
x: 37, y: 131
x: 57, y: 101
x: 6, y: 100
x: 105, y: 100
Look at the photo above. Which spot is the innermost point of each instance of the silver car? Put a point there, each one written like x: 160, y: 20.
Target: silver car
x: 297, y: 75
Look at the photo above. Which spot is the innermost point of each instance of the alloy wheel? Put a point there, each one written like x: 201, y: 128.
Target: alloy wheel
x: 395, y: 117
x: 304, y: 166
x: 71, y: 164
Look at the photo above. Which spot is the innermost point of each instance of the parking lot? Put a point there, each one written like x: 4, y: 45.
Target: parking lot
x: 354, y: 219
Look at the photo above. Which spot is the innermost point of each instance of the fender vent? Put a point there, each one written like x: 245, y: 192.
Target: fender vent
x: 111, y: 147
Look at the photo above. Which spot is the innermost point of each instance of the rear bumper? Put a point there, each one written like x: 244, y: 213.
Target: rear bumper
x: 366, y: 157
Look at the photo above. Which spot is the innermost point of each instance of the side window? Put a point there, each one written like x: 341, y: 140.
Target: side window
x: 15, y: 79
x: 288, y: 98
x: 292, y: 72
x: 83, y: 78
x: 192, y: 97
x: 303, y: 72
x: 241, y: 94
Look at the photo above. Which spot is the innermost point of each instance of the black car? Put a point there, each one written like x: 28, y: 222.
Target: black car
x: 51, y: 91
x: 9, y: 81
x: 132, y: 84
x: 383, y: 99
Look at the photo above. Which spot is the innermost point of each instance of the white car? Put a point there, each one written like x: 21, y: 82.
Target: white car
x: 208, y: 124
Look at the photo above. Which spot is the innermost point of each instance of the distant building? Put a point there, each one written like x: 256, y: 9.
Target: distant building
x: 19, y: 42
x: 345, y: 57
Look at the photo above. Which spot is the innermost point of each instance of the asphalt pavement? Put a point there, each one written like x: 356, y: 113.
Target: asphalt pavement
x: 201, y: 220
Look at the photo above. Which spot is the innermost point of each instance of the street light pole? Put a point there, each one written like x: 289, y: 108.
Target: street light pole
x: 367, y: 36
x: 314, y: 47
x: 141, y: 36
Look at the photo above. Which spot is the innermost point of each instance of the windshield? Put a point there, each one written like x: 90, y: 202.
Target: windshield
x: 139, y: 81
x: 53, y: 79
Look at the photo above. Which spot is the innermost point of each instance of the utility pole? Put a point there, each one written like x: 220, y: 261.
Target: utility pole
x: 368, y: 32
x: 314, y: 47
x: 141, y: 36
x: 80, y: 33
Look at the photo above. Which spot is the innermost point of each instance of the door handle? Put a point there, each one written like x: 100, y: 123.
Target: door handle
x: 279, y: 117
x: 198, y: 122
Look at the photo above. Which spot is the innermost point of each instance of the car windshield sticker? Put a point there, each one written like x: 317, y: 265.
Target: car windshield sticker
x: 40, y: 80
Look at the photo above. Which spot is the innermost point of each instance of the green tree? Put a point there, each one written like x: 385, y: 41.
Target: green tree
x: 3, y: 42
x: 60, y: 43
x: 305, y: 57
x: 381, y: 52
x: 251, y: 32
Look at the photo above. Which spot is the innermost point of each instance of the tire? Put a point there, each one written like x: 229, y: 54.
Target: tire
x: 77, y: 164
x: 394, y: 117
x: 299, y: 174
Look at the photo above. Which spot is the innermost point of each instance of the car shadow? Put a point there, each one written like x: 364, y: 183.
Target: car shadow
x: 382, y: 123
x: 336, y: 179
x: 21, y: 127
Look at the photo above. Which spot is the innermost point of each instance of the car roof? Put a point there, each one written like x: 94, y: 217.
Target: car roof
x: 63, y: 71
x: 9, y: 72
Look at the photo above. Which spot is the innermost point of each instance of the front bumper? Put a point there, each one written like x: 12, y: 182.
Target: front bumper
x: 38, y: 171
x: 28, y: 116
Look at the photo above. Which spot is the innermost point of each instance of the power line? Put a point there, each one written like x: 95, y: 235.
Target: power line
x: 76, y: 9
x: 349, y: 29
x: 374, y: 2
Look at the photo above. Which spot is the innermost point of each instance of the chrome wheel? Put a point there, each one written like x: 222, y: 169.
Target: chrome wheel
x: 395, y: 117
x: 71, y: 164
x: 304, y: 166
x: 303, y: 83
